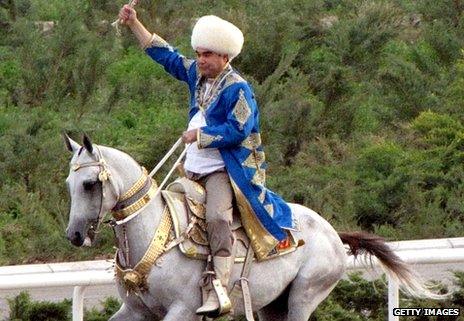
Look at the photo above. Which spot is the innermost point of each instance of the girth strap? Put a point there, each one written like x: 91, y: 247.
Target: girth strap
x: 241, y: 287
x: 244, y: 284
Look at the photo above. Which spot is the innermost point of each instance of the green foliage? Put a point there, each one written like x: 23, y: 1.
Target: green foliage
x: 9, y: 69
x: 360, y: 104
x: 22, y: 308
x: 454, y: 93
x: 444, y: 40
x: 436, y: 129
x: 365, y: 33
x: 129, y: 76
x: 404, y: 85
x: 292, y: 118
x: 354, y: 299
x: 380, y: 188
x: 110, y: 307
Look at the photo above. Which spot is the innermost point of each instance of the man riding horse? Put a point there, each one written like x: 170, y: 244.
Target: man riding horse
x: 225, y: 154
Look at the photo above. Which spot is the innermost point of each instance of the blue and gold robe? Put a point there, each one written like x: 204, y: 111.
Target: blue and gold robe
x: 232, y: 120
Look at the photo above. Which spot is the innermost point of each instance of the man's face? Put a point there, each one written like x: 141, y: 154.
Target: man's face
x: 210, y: 63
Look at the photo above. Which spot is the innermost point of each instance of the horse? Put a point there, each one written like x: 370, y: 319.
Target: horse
x: 286, y: 288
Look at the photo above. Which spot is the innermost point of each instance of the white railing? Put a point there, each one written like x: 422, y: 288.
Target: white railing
x: 80, y: 275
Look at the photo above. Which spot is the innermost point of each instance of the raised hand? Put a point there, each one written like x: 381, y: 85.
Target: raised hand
x: 127, y: 15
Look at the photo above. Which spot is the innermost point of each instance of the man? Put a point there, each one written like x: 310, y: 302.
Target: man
x: 225, y: 154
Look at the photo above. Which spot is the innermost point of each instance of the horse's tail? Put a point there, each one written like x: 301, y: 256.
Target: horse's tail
x: 394, y: 266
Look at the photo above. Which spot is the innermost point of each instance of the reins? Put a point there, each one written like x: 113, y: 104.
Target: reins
x: 105, y: 175
x: 153, y: 172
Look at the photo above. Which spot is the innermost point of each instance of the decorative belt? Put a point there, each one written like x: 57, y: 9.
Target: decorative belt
x: 136, y: 278
x: 139, y: 195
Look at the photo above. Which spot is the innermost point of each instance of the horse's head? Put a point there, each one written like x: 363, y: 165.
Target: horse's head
x: 91, y: 190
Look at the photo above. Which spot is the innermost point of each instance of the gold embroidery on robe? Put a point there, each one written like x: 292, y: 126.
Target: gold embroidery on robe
x: 259, y: 178
x: 261, y: 240
x: 270, y: 209
x: 241, y: 110
x: 232, y: 79
x: 216, y: 88
x: 206, y: 139
x: 252, y: 141
x: 262, y: 195
x: 255, y: 159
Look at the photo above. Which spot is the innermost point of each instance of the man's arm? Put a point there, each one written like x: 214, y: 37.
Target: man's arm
x: 128, y: 16
x: 156, y: 47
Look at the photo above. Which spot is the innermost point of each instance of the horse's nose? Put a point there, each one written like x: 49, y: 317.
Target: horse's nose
x: 76, y: 239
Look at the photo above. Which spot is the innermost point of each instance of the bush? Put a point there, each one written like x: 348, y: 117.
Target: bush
x: 293, y: 119
x: 110, y: 307
x: 360, y: 39
x: 454, y: 93
x: 23, y: 309
x: 444, y: 40
x: 380, y: 187
x: 436, y: 129
x: 404, y: 86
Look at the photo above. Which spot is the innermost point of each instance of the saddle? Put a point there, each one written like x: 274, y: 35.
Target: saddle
x: 186, y: 200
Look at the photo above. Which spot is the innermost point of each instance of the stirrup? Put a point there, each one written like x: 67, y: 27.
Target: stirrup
x: 224, y: 302
x: 220, y: 302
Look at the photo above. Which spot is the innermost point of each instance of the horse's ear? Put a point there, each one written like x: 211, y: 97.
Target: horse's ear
x: 71, y: 145
x: 87, y: 144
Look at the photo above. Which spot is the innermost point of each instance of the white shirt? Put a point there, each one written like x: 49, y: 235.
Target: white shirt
x: 205, y: 160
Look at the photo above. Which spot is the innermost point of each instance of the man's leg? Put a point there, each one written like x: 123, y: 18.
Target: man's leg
x: 219, y: 196
x: 219, y: 209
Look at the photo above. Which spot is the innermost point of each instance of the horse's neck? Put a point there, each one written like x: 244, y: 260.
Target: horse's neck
x: 138, y: 232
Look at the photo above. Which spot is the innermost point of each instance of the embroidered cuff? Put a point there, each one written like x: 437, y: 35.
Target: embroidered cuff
x: 205, y: 140
x: 156, y: 41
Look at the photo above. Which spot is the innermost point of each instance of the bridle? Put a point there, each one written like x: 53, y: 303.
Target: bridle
x: 133, y: 199
x: 104, y: 175
x: 131, y: 202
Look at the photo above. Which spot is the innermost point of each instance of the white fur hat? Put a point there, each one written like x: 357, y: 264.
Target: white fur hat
x: 217, y: 35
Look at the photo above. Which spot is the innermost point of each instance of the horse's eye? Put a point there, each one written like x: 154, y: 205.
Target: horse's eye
x: 88, y: 185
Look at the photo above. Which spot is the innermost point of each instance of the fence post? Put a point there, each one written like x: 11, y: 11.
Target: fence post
x: 393, y: 298
x: 78, y: 303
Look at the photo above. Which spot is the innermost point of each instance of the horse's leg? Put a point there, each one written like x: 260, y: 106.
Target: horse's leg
x: 277, y: 309
x: 300, y: 310
x: 310, y: 289
x: 303, y: 299
x: 318, y: 275
x: 178, y: 311
x: 126, y: 314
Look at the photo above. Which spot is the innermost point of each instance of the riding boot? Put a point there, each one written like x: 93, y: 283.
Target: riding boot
x: 217, y: 301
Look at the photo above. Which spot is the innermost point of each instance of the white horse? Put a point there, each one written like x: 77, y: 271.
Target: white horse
x: 287, y: 288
